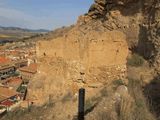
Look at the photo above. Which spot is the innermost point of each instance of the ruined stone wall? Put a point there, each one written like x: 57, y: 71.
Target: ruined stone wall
x: 93, y: 49
x: 79, y: 60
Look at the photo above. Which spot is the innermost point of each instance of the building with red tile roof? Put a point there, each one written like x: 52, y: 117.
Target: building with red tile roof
x: 7, y: 103
x: 20, y: 63
x: 28, y: 72
x: 13, y: 82
x: 32, y: 68
x: 8, y: 96
x: 6, y: 68
x: 6, y: 92
x: 4, y: 60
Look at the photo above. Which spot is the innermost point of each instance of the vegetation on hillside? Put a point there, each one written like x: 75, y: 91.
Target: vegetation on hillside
x: 135, y: 60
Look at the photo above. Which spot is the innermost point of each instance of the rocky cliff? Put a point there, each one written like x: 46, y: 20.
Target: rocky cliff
x: 93, y: 53
x: 138, y: 19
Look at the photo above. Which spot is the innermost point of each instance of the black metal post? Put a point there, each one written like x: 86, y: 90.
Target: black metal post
x: 81, y: 104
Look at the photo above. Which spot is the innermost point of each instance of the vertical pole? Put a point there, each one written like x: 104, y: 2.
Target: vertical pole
x: 28, y: 106
x: 81, y: 104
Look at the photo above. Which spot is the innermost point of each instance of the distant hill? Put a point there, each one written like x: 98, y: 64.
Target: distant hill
x: 23, y: 29
x: 15, y: 33
x: 59, y: 32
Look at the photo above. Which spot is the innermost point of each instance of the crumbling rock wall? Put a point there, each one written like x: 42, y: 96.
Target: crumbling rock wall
x: 78, y: 59
x: 138, y: 19
x: 124, y: 16
x: 149, y: 44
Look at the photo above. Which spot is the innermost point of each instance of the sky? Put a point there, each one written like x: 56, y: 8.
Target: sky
x: 41, y: 14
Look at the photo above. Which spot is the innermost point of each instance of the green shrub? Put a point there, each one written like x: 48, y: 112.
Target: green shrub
x: 118, y: 82
x: 136, y: 60
x: 21, y: 89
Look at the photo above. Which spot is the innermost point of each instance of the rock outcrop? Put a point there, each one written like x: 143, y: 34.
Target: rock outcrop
x: 154, y: 35
x: 138, y: 19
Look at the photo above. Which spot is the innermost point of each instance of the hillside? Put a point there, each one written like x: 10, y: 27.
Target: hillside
x: 14, y: 33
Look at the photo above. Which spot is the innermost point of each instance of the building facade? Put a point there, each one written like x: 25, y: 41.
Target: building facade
x: 6, y: 71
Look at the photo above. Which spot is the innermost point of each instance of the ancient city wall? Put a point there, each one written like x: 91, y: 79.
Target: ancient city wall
x: 86, y: 53
x: 79, y: 60
x: 93, y: 50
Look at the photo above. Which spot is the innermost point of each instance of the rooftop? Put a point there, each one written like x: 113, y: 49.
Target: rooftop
x: 6, y: 66
x: 32, y: 68
x: 20, y: 61
x: 7, y: 103
x: 4, y: 60
x: 13, y: 82
x: 2, y: 98
x: 5, y: 92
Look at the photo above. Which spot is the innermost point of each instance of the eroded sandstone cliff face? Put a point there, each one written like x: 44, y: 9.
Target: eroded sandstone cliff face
x: 138, y: 19
x: 124, y: 16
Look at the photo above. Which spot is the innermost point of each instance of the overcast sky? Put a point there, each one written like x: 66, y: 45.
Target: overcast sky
x: 38, y: 14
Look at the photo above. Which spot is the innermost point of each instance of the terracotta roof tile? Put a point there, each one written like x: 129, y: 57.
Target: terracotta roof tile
x: 4, y: 60
x: 7, y: 103
x: 2, y: 98
x: 31, y: 68
x: 16, y: 81
x: 6, y: 92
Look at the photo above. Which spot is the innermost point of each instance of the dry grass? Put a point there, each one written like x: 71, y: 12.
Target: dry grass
x: 140, y: 105
x: 132, y: 106
x: 126, y: 108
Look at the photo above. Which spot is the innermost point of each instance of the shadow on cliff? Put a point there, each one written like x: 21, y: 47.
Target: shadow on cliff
x: 131, y: 8
x: 145, y: 47
x: 152, y: 93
